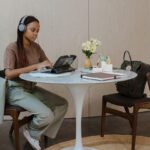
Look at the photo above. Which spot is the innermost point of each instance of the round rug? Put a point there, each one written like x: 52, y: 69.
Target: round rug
x: 108, y: 142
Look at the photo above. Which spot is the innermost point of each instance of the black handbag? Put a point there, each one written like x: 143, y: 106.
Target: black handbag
x: 130, y: 64
x: 134, y: 87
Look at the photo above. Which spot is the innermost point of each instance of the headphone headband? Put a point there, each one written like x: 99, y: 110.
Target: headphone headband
x: 22, y: 26
x: 23, y: 19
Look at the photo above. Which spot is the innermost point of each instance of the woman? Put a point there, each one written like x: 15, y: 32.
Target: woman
x: 24, y: 56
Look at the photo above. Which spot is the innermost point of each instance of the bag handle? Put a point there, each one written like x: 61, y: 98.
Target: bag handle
x: 128, y: 53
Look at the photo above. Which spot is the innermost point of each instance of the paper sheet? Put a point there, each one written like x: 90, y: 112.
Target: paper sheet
x: 39, y: 74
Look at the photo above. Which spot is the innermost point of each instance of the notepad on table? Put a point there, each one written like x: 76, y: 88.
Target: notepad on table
x: 101, y: 76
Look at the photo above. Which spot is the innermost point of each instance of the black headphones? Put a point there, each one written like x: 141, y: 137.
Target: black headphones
x: 22, y: 26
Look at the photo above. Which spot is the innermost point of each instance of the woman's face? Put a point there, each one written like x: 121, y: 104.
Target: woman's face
x: 32, y: 30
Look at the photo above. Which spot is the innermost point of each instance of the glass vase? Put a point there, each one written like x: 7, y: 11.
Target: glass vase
x: 88, y: 63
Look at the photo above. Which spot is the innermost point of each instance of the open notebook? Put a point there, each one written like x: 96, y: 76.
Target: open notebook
x: 101, y: 76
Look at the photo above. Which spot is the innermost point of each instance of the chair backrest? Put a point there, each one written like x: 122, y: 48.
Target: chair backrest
x: 148, y: 79
x: 2, y: 94
x: 2, y: 98
x: 2, y: 73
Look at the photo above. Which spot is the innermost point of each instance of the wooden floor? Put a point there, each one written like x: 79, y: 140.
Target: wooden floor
x: 90, y: 126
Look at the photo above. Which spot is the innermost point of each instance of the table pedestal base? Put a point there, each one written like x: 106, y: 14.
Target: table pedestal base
x: 73, y: 148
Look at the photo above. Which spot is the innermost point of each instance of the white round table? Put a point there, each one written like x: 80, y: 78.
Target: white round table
x: 78, y: 88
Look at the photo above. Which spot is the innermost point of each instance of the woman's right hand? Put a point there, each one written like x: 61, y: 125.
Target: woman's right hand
x: 44, y: 64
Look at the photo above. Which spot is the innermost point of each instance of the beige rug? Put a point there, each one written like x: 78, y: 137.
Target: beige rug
x: 108, y: 142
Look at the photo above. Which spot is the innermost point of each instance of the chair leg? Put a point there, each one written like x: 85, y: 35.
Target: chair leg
x: 11, y: 130
x: 16, y: 129
x: 45, y: 140
x: 12, y: 127
x: 128, y: 112
x: 134, y: 125
x: 103, y: 117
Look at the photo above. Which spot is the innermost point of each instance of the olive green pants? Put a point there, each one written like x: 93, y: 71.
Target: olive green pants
x: 48, y: 108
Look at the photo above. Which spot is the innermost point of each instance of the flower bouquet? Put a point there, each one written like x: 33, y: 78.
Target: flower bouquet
x: 89, y: 48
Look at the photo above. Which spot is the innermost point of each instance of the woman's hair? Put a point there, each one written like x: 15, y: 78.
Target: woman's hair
x: 21, y: 52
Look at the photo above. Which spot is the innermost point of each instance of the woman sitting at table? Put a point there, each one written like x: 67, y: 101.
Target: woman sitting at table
x: 24, y: 56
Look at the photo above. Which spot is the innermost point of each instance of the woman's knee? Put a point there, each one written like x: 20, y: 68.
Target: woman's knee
x: 66, y: 106
x: 62, y: 109
x: 66, y: 102
x: 47, y: 116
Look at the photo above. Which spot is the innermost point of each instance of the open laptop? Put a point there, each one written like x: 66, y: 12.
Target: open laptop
x: 62, y: 65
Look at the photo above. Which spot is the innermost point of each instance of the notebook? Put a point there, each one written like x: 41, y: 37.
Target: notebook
x: 62, y: 65
x: 101, y: 76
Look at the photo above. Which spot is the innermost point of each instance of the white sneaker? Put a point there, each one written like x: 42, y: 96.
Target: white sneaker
x: 33, y: 142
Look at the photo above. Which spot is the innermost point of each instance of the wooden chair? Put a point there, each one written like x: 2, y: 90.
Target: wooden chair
x: 126, y: 102
x: 14, y: 112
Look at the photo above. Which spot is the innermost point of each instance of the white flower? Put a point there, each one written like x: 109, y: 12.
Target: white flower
x: 89, y: 47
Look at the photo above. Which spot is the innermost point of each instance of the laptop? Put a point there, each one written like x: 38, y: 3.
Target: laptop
x: 62, y: 65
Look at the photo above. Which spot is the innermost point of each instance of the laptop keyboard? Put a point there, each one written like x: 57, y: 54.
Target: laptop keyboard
x: 62, y: 70
x: 59, y: 70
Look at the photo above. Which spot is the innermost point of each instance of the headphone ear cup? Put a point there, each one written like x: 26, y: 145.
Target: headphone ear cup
x: 22, y: 27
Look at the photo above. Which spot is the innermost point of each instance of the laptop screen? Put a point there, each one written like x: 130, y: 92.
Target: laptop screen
x: 63, y: 64
x: 64, y: 61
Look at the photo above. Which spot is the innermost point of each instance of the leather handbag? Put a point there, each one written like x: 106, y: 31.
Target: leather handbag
x: 129, y: 64
x: 134, y: 87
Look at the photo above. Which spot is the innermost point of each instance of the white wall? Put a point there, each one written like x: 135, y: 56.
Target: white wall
x: 65, y: 24
x: 121, y: 25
